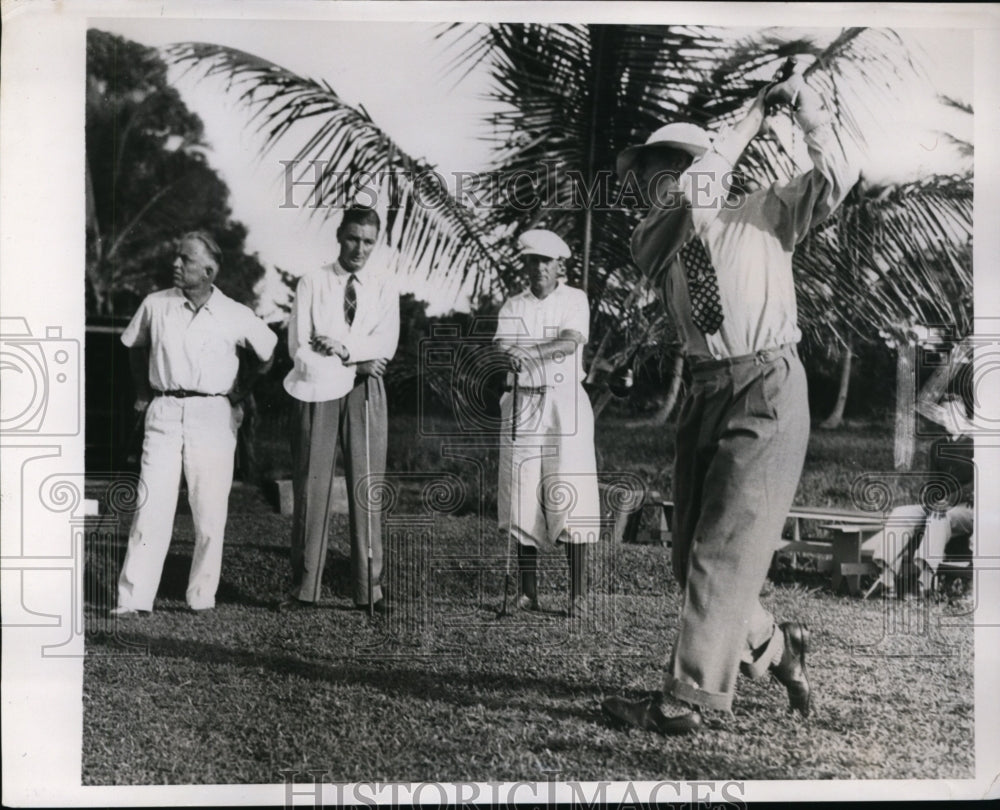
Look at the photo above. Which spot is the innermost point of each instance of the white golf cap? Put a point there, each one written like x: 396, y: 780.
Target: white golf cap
x: 540, y: 242
x: 688, y: 138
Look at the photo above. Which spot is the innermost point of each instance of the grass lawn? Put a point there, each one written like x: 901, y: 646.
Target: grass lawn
x: 443, y: 691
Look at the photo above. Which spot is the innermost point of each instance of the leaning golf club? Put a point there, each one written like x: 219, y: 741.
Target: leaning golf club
x: 510, y: 490
x: 368, y: 507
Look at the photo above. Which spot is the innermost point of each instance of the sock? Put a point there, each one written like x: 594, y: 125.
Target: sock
x: 576, y: 553
x: 527, y: 565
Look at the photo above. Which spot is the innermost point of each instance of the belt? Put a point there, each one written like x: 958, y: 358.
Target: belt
x: 527, y: 389
x: 180, y: 393
x: 757, y: 358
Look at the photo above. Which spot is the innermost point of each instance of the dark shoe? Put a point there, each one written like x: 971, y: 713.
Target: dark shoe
x: 380, y: 608
x: 790, y: 671
x: 647, y: 714
x: 290, y: 603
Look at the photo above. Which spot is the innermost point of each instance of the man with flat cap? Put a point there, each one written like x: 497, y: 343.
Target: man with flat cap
x: 725, y: 268
x: 548, y: 472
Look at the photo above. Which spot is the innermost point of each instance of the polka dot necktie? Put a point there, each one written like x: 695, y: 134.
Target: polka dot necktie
x: 703, y: 287
x: 350, y: 301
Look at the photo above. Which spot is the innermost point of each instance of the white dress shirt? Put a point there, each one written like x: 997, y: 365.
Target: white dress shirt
x: 528, y: 320
x: 318, y: 309
x: 196, y: 351
x: 750, y: 243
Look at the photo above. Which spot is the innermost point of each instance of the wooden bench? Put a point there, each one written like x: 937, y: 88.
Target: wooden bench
x: 846, y: 532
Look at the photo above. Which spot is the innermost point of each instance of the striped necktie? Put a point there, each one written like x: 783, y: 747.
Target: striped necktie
x: 703, y: 287
x: 350, y: 301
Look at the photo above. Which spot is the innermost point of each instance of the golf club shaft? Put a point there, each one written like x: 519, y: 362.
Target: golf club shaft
x: 368, y: 506
x: 515, y: 408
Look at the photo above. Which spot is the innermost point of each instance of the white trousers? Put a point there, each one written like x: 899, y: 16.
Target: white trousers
x: 196, y: 435
x: 547, y: 486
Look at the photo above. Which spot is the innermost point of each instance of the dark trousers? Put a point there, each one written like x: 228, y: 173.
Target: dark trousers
x: 741, y: 443
x: 319, y: 428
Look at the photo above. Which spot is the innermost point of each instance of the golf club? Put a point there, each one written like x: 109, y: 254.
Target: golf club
x: 515, y: 396
x: 368, y: 507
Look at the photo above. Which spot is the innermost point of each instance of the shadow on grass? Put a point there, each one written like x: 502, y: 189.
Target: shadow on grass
x: 456, y: 686
x: 102, y: 567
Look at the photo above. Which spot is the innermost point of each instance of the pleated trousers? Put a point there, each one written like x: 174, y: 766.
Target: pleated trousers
x: 319, y: 430
x: 741, y: 444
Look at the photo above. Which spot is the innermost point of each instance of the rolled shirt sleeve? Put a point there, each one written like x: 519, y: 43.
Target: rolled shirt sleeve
x: 259, y: 337
x: 136, y: 334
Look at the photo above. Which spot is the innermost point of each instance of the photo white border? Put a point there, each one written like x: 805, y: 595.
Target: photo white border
x: 41, y: 256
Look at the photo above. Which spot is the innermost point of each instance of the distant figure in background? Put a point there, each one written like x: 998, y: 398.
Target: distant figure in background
x: 725, y: 266
x: 183, y: 346
x: 548, y: 476
x: 919, y: 539
x: 342, y: 333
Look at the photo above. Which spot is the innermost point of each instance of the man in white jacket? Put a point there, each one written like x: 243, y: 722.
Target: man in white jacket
x: 343, y: 331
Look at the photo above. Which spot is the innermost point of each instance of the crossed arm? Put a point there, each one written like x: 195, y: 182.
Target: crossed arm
x: 529, y: 355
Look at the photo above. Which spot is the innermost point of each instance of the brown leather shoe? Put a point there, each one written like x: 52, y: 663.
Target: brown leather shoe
x: 647, y: 714
x: 790, y: 671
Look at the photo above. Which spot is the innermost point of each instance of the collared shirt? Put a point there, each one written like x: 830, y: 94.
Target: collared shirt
x: 750, y: 243
x: 196, y: 350
x: 318, y: 309
x: 528, y: 320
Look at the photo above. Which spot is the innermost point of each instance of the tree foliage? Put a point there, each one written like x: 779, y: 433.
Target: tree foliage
x: 148, y: 181
x: 350, y: 158
x: 568, y: 99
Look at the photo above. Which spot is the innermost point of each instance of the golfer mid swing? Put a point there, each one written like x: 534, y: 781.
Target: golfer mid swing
x: 724, y: 266
x: 548, y: 473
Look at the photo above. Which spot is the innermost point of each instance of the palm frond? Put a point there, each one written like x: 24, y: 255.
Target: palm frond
x: 353, y: 156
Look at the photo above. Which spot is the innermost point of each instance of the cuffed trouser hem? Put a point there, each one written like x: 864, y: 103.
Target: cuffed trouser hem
x: 699, y: 697
x: 756, y: 663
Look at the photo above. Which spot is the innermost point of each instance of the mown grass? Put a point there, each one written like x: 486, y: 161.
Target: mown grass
x: 445, y: 691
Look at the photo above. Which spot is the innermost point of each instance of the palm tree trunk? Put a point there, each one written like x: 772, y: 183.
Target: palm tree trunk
x: 95, y: 246
x: 836, y: 417
x: 905, y: 405
x: 602, y: 402
x: 676, y: 376
x: 588, y: 221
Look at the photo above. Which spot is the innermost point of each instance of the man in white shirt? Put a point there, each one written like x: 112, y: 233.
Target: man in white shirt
x: 183, y: 353
x: 548, y: 473
x: 342, y: 333
x: 726, y: 272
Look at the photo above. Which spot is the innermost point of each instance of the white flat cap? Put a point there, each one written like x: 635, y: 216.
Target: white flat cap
x: 540, y: 242
x: 688, y: 138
